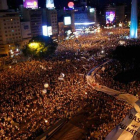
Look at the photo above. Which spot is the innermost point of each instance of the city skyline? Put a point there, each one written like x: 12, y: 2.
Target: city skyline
x: 63, y: 3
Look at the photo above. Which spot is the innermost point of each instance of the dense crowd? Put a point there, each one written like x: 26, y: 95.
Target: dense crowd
x: 24, y: 106
x: 103, y: 40
x: 109, y: 113
x: 28, y: 110
x: 105, y: 76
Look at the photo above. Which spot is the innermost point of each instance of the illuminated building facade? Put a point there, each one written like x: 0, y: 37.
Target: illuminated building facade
x: 10, y: 31
x: 26, y: 29
x: 34, y: 16
x: 84, y: 18
x: 66, y: 21
x: 50, y: 19
x: 134, y: 20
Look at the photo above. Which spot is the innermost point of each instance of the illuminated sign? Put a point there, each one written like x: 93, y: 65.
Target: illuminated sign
x: 67, y: 20
x: 49, y: 30
x: 85, y: 23
x: 71, y: 5
x: 30, y: 4
x: 110, y: 17
x: 92, y: 10
x: 49, y: 4
x: 45, y: 30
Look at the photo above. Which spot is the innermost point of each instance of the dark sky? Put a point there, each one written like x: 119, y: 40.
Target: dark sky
x: 41, y: 2
x: 64, y: 2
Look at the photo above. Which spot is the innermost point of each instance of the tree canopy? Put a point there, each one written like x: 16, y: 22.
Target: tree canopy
x: 40, y: 47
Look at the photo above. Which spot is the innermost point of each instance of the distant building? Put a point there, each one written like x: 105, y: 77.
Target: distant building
x: 50, y: 19
x: 61, y: 30
x: 25, y: 32
x: 34, y: 16
x: 3, y: 5
x: 25, y: 29
x: 119, y: 12
x: 67, y: 17
x: 10, y: 30
x: 84, y: 18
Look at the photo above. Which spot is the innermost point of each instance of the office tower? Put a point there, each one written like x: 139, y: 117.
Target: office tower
x: 34, y: 16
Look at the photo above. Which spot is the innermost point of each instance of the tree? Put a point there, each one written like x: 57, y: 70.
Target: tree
x: 40, y: 47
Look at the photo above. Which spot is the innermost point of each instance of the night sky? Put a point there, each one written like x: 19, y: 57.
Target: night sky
x: 63, y: 3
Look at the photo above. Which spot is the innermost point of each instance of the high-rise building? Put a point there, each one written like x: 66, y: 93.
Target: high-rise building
x: 67, y: 17
x: 50, y: 19
x: 26, y: 29
x: 84, y: 17
x: 10, y: 31
x: 34, y: 16
x: 3, y: 5
x: 25, y: 32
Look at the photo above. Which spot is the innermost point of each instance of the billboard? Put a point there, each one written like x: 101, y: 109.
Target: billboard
x: 71, y: 5
x: 67, y: 20
x: 45, y: 30
x: 30, y: 4
x: 110, y: 17
x: 92, y: 10
x: 49, y: 30
x: 49, y: 4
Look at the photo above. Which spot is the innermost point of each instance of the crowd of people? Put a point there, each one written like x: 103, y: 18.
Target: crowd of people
x: 108, y: 112
x: 100, y: 40
x: 28, y: 108
x: 105, y: 76
x: 25, y: 110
